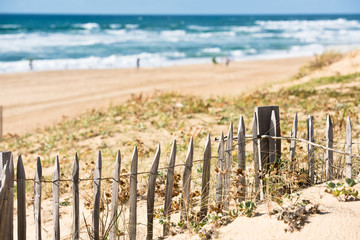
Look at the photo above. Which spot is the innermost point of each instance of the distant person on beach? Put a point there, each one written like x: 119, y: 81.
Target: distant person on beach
x: 227, y: 61
x: 214, y: 60
x: 138, y: 63
x: 31, y: 64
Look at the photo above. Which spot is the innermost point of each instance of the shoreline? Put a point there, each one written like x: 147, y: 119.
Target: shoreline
x: 39, y: 99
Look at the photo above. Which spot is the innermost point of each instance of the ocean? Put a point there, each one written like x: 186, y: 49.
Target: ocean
x: 59, y: 42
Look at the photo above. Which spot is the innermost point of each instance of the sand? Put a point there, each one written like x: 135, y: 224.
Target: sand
x: 38, y: 99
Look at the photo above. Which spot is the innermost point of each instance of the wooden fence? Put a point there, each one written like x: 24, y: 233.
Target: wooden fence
x: 266, y: 141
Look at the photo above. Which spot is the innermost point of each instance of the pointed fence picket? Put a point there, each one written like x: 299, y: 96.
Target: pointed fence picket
x: 223, y: 176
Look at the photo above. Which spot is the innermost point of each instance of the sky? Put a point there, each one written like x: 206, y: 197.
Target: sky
x: 180, y: 6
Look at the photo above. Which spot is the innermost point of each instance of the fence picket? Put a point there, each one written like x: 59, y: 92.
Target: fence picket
x: 56, y: 182
x: 241, y: 159
x: 169, y: 187
x: 97, y: 189
x: 151, y: 194
x: 37, y: 199
x: 329, y: 144
x: 348, y: 143
x: 115, y: 197
x: 133, y: 194
x: 205, y: 185
x: 10, y: 217
x: 185, y: 198
x: 293, y: 143
x: 21, y: 199
x: 257, y: 159
x: 227, y: 169
x: 5, y: 186
x: 311, y: 155
x: 76, y: 206
x: 220, y: 169
x: 272, y: 143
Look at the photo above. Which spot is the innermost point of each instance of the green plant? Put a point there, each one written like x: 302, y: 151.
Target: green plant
x: 343, y: 191
x: 247, y: 208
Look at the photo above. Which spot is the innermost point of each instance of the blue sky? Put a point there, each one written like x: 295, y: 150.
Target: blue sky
x: 180, y: 6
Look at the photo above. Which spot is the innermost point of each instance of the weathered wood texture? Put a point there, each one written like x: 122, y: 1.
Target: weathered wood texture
x: 311, y: 154
x: 37, y: 199
x: 169, y: 187
x: 241, y: 159
x: 329, y: 156
x: 6, y: 195
x: 348, y: 143
x: 1, y: 122
x: 21, y: 199
x: 133, y: 195
x: 293, y: 143
x: 257, y: 160
x: 227, y: 168
x: 56, y: 187
x: 263, y: 128
x: 75, y: 205
x: 151, y: 194
x: 185, y: 198
x: 272, y: 142
x: 115, y: 197
x: 220, y: 169
x: 205, y: 185
x: 97, y: 194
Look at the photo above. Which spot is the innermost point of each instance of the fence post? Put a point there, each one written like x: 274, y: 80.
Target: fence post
x: 10, y: 229
x: 151, y: 194
x: 220, y: 167
x: 7, y: 195
x: 133, y: 194
x: 168, y: 188
x: 115, y: 196
x: 97, y: 189
x: 56, y: 182
x: 185, y: 199
x: 21, y: 199
x: 241, y: 159
x: 348, y: 143
x: 293, y: 143
x: 75, y: 192
x: 311, y: 155
x: 256, y: 141
x: 205, y: 186
x: 37, y: 199
x: 1, y: 122
x: 329, y: 144
x: 227, y: 169
x: 272, y: 143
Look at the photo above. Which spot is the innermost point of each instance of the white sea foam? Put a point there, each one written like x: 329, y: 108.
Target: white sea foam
x: 87, y: 26
x: 131, y: 26
x: 10, y: 26
x: 211, y: 50
x: 115, y: 26
x: 199, y: 28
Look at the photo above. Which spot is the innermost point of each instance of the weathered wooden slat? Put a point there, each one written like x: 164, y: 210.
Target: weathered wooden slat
x: 10, y: 206
x: 205, y: 185
x: 257, y: 160
x: 21, y: 199
x: 329, y: 154
x: 311, y: 155
x: 1, y: 122
x: 220, y: 169
x: 241, y: 159
x: 37, y: 199
x: 151, y: 194
x: 133, y: 195
x: 348, y: 143
x: 115, y: 197
x: 293, y: 143
x: 272, y: 142
x: 227, y: 168
x: 56, y: 188
x: 97, y: 190
x: 185, y: 198
x: 169, y: 187
x: 5, y: 186
x: 76, y: 206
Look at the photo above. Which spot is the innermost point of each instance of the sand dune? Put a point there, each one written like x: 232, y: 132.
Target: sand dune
x: 39, y: 99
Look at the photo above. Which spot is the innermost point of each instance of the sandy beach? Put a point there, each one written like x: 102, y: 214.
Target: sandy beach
x: 38, y: 99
